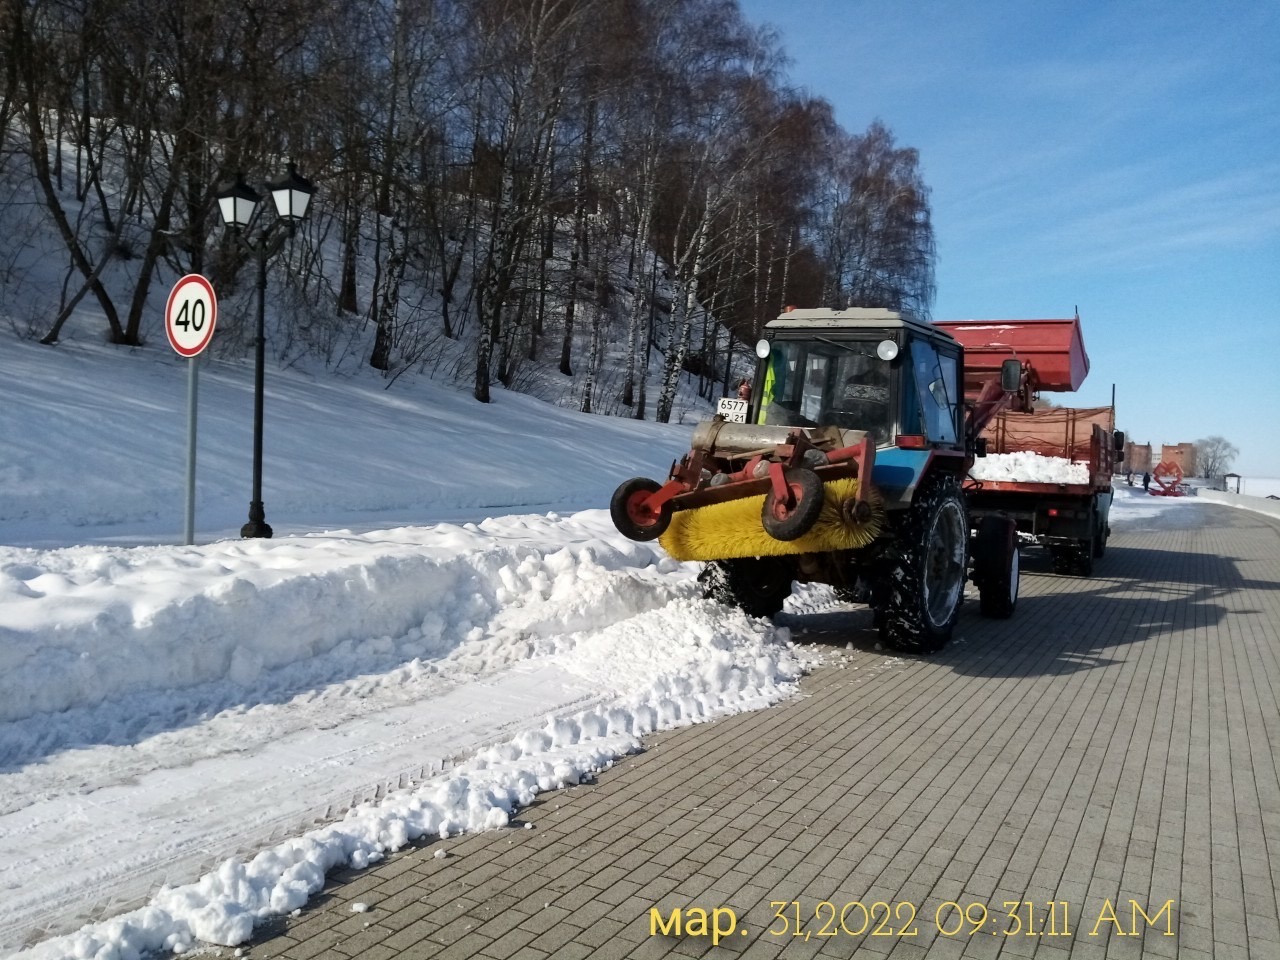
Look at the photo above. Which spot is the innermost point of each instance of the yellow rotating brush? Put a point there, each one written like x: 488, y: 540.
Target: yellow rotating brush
x: 722, y: 531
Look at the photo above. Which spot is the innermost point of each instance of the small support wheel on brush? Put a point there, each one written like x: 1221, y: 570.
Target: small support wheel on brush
x: 995, y: 549
x: 632, y: 516
x: 791, y: 522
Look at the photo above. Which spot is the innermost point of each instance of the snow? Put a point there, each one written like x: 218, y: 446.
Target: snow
x: 445, y: 625
x: 95, y: 449
x: 1133, y: 508
x: 1258, y: 486
x: 1027, y: 467
x: 191, y: 736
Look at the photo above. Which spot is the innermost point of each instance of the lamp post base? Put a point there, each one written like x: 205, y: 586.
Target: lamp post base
x: 257, y: 525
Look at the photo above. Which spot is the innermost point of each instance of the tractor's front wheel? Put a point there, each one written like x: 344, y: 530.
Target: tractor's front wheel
x: 758, y: 586
x: 925, y: 585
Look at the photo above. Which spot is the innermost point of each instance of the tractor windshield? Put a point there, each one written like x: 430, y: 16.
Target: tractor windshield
x: 827, y: 383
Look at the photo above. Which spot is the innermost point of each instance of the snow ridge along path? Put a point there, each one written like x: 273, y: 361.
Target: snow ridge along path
x: 173, y: 709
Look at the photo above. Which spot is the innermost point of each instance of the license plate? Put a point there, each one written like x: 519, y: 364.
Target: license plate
x: 734, y: 411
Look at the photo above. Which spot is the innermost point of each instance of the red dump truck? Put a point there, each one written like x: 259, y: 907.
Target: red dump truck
x: 1048, y: 470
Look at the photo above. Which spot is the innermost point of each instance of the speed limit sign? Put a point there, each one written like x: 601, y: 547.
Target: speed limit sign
x: 190, y: 315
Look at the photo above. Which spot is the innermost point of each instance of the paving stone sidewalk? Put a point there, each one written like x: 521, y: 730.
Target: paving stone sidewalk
x: 1111, y: 747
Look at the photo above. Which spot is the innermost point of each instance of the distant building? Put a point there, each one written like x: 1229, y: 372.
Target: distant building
x: 1183, y: 454
x: 1137, y: 457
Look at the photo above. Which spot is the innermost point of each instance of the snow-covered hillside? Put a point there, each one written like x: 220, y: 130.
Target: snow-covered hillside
x: 94, y: 441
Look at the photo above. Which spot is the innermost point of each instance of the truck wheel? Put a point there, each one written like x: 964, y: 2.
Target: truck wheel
x: 926, y: 584
x: 1064, y: 558
x: 631, y: 517
x: 1100, y: 543
x: 996, y: 566
x: 1084, y: 557
x: 790, y: 523
x: 1073, y: 558
x: 758, y: 587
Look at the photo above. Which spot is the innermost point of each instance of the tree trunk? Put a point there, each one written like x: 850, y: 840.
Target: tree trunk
x: 155, y: 247
x: 637, y: 299
x: 348, y: 301
x: 596, y: 354
x: 578, y: 253
x: 40, y: 166
x: 678, y: 343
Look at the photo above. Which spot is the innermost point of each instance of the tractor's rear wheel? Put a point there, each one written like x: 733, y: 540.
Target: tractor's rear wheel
x: 995, y: 568
x: 632, y: 517
x: 783, y: 522
x: 925, y: 585
x: 757, y: 586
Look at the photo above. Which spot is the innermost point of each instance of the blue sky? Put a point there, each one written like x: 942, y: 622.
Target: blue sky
x: 1119, y: 157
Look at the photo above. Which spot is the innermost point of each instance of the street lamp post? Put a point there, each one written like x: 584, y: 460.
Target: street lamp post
x: 241, y: 208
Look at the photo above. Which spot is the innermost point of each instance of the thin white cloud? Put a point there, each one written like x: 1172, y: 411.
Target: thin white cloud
x: 1121, y: 219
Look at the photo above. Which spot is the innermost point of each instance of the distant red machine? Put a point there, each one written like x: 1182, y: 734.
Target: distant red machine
x: 1168, y: 477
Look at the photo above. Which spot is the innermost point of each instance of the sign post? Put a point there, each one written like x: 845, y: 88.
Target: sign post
x: 189, y: 319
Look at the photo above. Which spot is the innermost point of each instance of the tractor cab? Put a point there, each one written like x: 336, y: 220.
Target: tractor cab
x: 877, y: 371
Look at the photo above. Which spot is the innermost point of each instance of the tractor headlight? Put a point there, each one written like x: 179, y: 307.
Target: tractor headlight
x: 887, y: 349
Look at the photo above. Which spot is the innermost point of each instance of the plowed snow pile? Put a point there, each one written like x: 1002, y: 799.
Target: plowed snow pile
x: 169, y: 703
x: 1028, y: 467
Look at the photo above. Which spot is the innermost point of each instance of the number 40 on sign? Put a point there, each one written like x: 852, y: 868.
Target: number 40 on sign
x: 191, y: 315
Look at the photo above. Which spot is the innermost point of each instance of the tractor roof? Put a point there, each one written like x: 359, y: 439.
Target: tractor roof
x: 854, y: 318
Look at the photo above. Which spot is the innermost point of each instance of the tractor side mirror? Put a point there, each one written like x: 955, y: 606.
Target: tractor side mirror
x: 1011, y: 376
x: 1117, y: 440
x: 980, y: 447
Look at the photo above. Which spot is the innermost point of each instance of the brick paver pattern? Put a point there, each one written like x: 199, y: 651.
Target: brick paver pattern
x: 1115, y: 740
